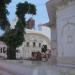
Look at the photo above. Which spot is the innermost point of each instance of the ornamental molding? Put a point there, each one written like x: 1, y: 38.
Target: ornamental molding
x: 67, y: 24
x: 64, y: 4
x: 56, y: 3
x: 69, y: 33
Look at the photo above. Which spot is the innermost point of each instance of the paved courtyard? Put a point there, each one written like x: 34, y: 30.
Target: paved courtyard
x: 25, y: 67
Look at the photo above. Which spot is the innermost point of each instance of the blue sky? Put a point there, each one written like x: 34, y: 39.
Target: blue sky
x: 41, y: 16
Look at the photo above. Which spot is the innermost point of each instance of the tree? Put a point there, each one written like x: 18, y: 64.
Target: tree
x: 4, y: 23
x: 15, y: 37
x: 44, y: 48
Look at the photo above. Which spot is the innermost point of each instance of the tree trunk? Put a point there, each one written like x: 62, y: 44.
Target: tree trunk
x: 11, y: 53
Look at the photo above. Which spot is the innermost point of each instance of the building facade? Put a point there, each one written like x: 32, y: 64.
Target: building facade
x: 3, y: 50
x: 62, y: 22
x: 33, y: 43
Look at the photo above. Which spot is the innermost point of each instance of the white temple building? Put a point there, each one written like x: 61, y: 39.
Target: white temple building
x: 3, y: 50
x: 62, y: 23
x: 34, y: 41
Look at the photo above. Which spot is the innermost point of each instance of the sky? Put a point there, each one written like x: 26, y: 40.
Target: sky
x: 46, y: 31
x: 41, y: 16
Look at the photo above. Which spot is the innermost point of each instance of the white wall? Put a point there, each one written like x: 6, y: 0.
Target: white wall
x: 66, y: 30
x: 52, y: 16
x: 2, y: 45
x: 33, y: 37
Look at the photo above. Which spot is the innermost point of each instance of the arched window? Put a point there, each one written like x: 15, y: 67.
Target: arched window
x: 4, y: 50
x: 0, y: 50
x: 27, y: 44
x: 34, y: 44
x: 39, y: 44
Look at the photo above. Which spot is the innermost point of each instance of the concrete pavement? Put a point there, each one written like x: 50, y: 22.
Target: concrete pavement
x: 14, y: 68
x: 34, y: 68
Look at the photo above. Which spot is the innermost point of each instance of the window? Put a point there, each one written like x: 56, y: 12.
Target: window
x: 0, y: 50
x: 34, y: 44
x: 27, y: 44
x: 39, y: 44
x: 4, y: 50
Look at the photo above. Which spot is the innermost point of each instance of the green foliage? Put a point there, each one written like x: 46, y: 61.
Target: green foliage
x: 20, y: 25
x: 32, y: 9
x: 4, y: 23
x: 14, y: 37
x: 25, y: 8
x: 22, y: 10
x: 5, y: 1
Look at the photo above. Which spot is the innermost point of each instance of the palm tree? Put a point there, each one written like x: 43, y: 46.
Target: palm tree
x: 15, y: 37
